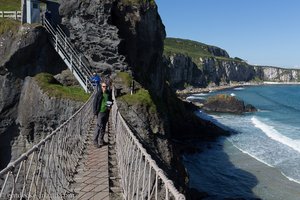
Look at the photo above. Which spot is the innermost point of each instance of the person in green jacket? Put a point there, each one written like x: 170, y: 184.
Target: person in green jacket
x: 101, y: 107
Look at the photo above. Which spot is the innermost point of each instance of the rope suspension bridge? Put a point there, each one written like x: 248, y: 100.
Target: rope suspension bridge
x: 65, y: 164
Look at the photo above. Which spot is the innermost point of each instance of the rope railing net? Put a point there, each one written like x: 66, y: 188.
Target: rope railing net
x: 141, y: 178
x: 47, y: 169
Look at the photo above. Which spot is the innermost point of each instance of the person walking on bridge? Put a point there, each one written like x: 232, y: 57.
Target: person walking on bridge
x: 101, y: 107
x: 95, y: 79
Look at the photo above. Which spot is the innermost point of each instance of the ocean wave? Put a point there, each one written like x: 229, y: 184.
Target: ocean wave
x: 290, y: 179
x: 200, y: 94
x: 194, y: 98
x: 249, y: 154
x: 272, y: 133
x: 239, y: 88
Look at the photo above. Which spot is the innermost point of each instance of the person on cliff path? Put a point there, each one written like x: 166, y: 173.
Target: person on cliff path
x: 95, y: 79
x: 101, y: 107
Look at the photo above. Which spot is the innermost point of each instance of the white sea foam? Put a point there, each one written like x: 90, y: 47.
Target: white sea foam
x: 194, y: 98
x: 260, y: 160
x: 232, y: 94
x: 291, y: 179
x: 272, y: 133
x: 251, y: 155
x: 239, y: 88
x: 200, y: 94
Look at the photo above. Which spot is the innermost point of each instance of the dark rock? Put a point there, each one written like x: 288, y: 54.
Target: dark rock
x: 226, y: 104
x: 88, y: 23
x: 25, y: 52
x: 250, y: 108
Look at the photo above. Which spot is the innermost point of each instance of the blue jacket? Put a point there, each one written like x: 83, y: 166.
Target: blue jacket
x: 96, y: 80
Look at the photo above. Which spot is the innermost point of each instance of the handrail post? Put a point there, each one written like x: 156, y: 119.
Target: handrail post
x: 56, y: 40
x: 71, y: 63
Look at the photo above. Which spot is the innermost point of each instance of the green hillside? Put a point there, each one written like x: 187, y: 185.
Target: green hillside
x: 193, y: 49
x: 10, y: 5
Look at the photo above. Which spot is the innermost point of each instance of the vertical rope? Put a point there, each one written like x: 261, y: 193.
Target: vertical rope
x: 47, y: 169
x: 140, y: 176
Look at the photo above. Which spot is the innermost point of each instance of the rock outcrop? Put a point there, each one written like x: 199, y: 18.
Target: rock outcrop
x: 89, y: 26
x: 24, y: 52
x: 118, y: 35
x: 227, y: 104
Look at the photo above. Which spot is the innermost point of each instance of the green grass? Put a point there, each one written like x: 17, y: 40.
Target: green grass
x: 137, y: 2
x: 8, y: 25
x: 141, y: 97
x: 53, y: 88
x: 125, y: 77
x: 195, y: 50
x: 10, y: 5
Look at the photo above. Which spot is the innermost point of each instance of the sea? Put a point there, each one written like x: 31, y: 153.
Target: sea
x: 261, y: 158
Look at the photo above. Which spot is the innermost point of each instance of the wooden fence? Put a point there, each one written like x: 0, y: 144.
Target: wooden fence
x: 17, y: 15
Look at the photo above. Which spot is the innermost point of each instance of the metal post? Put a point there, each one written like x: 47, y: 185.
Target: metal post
x: 56, y: 40
x: 71, y: 60
x: 132, y: 87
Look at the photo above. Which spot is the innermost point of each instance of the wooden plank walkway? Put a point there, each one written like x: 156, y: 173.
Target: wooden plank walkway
x: 92, y: 180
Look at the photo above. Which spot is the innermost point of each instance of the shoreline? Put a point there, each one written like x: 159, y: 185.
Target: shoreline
x: 189, y: 91
x: 269, y: 180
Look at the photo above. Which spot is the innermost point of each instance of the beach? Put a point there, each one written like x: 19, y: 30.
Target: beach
x: 223, y: 171
x: 260, y: 161
x: 271, y: 184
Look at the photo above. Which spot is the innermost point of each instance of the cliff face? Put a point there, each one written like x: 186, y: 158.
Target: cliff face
x: 117, y: 35
x: 23, y: 108
x: 143, y: 33
x: 182, y: 71
x: 280, y: 74
x: 88, y: 24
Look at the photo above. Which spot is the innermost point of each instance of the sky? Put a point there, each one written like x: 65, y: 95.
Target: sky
x: 262, y: 32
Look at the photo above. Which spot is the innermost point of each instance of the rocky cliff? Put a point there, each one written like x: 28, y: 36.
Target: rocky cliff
x: 115, y: 36
x: 26, y: 112
x: 213, y: 67
x: 127, y: 36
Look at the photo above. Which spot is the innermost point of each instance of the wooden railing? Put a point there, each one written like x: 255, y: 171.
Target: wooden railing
x: 17, y: 15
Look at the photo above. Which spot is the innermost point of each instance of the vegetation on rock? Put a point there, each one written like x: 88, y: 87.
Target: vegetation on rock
x: 53, y: 88
x: 7, y: 25
x: 195, y: 50
x: 125, y: 77
x: 141, y: 97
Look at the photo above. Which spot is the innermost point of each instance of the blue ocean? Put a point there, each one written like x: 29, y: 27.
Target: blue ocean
x: 262, y: 158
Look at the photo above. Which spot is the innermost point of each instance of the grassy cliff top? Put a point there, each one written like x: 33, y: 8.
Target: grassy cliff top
x: 50, y: 85
x: 195, y: 50
x: 186, y: 47
x: 10, y: 5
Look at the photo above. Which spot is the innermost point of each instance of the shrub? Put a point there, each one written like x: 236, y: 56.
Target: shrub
x: 141, y: 97
x: 8, y: 25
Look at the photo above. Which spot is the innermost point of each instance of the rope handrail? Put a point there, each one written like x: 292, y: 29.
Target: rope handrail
x: 141, y: 178
x: 47, y: 169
